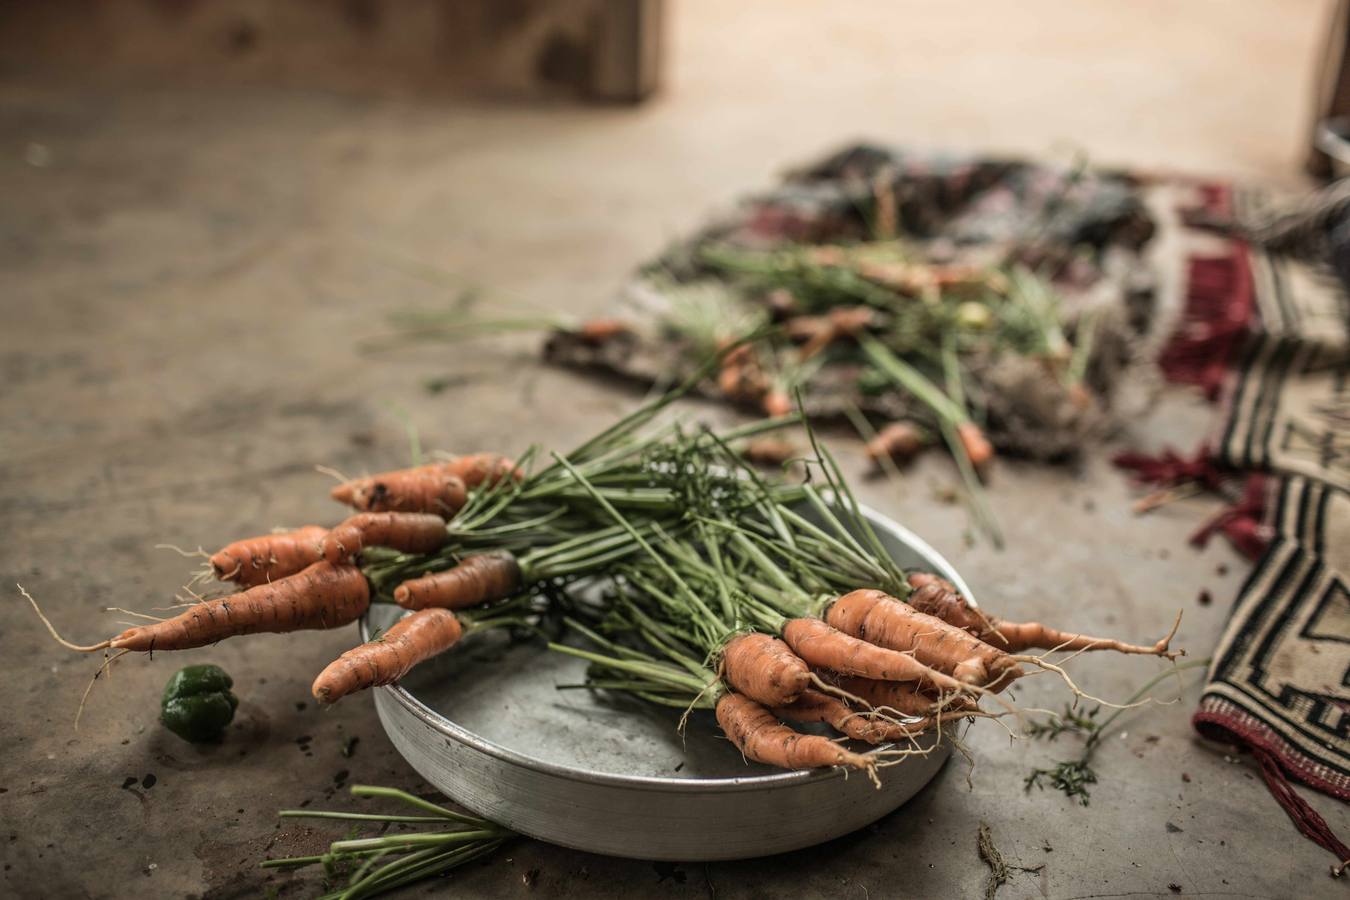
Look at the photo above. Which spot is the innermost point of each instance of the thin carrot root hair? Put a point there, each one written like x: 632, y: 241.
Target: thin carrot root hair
x: 332, y: 473
x: 89, y: 688
x: 1078, y: 693
x: 852, y: 699
x: 408, y: 532
x: 78, y: 648
x: 187, y: 554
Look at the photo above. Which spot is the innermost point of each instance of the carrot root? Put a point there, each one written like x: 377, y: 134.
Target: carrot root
x: 406, y: 532
x: 764, y: 669
x: 433, y: 488
x: 51, y: 629
x: 256, y: 560
x: 825, y: 647
x: 322, y: 596
x: 477, y: 579
x: 876, y: 617
x: 761, y: 737
x: 413, y: 639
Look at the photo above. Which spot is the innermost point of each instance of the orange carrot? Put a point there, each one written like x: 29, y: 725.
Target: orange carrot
x: 885, y: 621
x: 769, y: 451
x: 764, y: 669
x: 818, y: 332
x: 479, y: 468
x: 937, y: 597
x: 322, y: 596
x: 814, y: 706
x: 477, y: 579
x: 905, y: 697
x: 776, y: 403
x: 898, y: 441
x: 388, y: 658
x: 825, y: 647
x: 977, y: 446
x: 761, y: 737
x: 428, y: 489
x: 740, y: 376
x: 271, y: 556
x: 407, y: 532
x: 601, y: 331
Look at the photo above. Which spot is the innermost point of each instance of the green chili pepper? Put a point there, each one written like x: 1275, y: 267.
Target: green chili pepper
x: 198, y: 704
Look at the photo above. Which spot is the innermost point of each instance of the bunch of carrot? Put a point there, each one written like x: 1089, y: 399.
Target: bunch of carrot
x: 776, y: 603
x: 697, y: 583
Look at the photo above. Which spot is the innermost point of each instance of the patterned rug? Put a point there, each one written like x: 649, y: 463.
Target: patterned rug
x: 1268, y: 333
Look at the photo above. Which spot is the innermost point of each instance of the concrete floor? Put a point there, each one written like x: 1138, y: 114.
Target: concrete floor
x: 186, y: 280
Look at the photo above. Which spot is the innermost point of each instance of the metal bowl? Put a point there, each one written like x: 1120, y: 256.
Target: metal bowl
x: 489, y: 726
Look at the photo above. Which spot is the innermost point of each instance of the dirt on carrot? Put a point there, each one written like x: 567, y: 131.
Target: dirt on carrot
x: 257, y: 560
x: 407, y: 532
x: 413, y: 639
x: 477, y: 579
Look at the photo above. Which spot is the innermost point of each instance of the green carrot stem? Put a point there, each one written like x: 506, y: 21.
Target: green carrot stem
x: 370, y: 790
x: 1138, y: 695
x: 914, y: 381
x: 979, y: 503
x: 655, y: 671
x: 435, y: 838
x: 356, y: 817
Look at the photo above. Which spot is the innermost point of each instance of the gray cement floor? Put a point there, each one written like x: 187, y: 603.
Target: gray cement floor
x: 186, y: 280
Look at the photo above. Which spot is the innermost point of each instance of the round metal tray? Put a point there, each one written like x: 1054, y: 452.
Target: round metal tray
x: 489, y: 726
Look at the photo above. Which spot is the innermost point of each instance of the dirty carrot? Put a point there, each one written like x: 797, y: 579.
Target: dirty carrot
x: 413, y: 639
x: 740, y: 376
x: 978, y: 449
x: 322, y: 596
x: 898, y: 441
x: 769, y: 451
x: 407, y: 532
x: 761, y: 737
x: 428, y: 489
x: 776, y: 403
x: 268, y: 557
x: 936, y: 597
x: 906, y: 698
x: 439, y: 487
x: 597, y: 332
x: 876, y: 617
x: 764, y: 669
x: 480, y: 468
x: 823, y: 646
x: 476, y: 579
x: 814, y: 706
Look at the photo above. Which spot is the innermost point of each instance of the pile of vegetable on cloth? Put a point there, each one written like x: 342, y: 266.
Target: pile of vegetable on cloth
x: 935, y: 292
